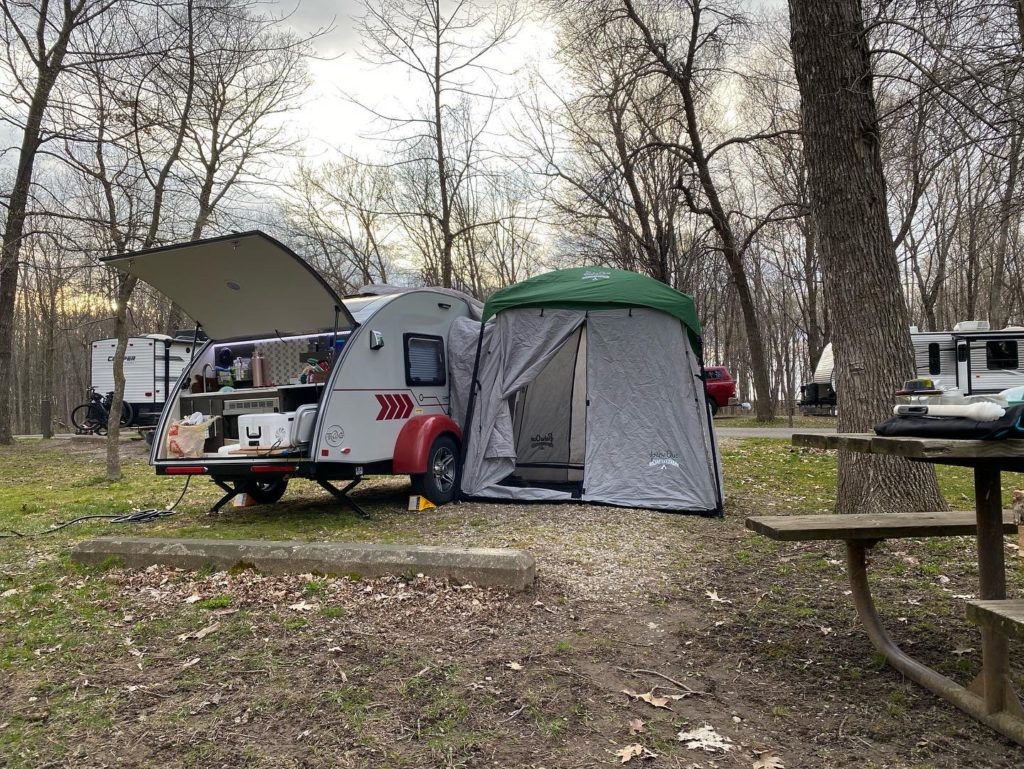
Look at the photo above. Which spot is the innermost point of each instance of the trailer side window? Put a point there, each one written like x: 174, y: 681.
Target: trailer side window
x: 1000, y: 354
x: 424, y: 361
x: 934, y: 361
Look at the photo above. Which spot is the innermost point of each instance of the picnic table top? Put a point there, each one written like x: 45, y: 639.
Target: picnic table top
x: 928, y: 449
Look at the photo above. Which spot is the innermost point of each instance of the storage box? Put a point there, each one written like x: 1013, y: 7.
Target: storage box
x: 305, y: 419
x: 266, y: 431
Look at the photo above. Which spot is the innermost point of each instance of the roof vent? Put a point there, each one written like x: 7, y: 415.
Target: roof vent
x: 972, y: 325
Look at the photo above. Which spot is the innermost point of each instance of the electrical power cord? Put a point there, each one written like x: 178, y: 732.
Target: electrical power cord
x: 136, y: 516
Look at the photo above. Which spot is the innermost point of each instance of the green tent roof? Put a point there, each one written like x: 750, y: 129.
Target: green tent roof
x: 597, y: 288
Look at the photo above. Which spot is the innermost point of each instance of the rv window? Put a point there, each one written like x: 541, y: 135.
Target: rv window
x: 1001, y: 354
x: 424, y: 361
x: 934, y: 362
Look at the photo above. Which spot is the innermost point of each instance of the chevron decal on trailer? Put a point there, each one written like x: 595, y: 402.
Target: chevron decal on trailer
x: 393, y: 406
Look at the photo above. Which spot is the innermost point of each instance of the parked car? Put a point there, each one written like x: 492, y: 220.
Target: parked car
x: 721, y: 388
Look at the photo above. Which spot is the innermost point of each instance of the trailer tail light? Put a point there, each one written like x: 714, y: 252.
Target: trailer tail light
x: 325, y: 452
x: 274, y: 468
x: 186, y: 470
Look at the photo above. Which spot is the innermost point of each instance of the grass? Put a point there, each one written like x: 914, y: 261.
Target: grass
x: 769, y: 476
x: 748, y: 421
x: 63, y: 627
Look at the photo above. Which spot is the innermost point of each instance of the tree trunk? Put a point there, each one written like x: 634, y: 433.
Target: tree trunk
x: 126, y: 286
x: 13, y: 231
x: 868, y: 310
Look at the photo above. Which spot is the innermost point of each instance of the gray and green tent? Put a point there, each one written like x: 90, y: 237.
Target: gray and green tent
x: 585, y: 384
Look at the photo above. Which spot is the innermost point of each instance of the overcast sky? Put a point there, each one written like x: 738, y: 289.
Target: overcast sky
x: 332, y: 124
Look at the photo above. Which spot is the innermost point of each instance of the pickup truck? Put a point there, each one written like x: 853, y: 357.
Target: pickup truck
x: 720, y: 386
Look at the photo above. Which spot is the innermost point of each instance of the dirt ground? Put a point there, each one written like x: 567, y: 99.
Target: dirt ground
x: 642, y: 627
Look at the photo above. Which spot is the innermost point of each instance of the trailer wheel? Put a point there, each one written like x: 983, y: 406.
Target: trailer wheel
x: 714, y: 406
x: 438, y: 484
x: 263, y: 492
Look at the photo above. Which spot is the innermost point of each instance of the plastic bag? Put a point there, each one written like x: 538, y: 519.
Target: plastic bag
x: 186, y: 440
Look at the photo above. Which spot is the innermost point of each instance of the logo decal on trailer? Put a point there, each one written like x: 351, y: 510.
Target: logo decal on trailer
x: 394, y: 406
x: 334, y: 436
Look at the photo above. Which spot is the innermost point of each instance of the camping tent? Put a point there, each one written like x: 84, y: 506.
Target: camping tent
x: 585, y: 384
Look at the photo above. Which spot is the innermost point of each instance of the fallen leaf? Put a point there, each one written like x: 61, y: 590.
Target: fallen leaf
x: 190, y: 663
x: 649, y: 697
x: 943, y: 579
x: 513, y: 666
x: 636, y: 726
x: 769, y: 762
x: 705, y: 738
x: 9, y: 593
x: 961, y: 652
x: 193, y: 599
x: 200, y: 634
x: 635, y: 750
x: 713, y: 595
x: 303, y: 605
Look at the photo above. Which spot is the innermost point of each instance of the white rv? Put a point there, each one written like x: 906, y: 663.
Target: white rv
x: 971, y: 357
x: 152, y: 364
x: 380, y: 407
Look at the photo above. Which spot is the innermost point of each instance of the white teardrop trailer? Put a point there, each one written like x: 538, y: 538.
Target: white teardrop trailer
x: 383, y: 404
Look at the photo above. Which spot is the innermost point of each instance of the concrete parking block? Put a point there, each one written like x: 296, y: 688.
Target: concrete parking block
x: 487, y: 567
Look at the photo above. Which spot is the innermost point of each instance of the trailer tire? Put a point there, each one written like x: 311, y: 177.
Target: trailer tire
x: 263, y: 492
x: 714, y: 406
x: 439, y: 483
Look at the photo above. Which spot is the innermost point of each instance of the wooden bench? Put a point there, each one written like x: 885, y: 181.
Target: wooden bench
x: 991, y: 698
x: 805, y: 528
x: 1006, y: 616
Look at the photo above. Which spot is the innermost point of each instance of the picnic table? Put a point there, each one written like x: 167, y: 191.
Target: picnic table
x: 990, y: 698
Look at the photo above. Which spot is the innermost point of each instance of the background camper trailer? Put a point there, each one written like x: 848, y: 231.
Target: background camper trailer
x: 971, y: 357
x: 296, y: 382
x: 152, y: 364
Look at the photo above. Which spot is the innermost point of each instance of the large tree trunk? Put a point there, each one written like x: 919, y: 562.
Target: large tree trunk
x: 869, y: 315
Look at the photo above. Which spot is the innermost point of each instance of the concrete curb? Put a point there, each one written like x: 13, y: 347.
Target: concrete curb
x: 487, y: 567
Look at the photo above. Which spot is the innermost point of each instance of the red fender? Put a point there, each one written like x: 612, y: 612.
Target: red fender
x: 416, y: 438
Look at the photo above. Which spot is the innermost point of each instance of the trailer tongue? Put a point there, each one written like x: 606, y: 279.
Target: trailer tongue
x: 241, y: 286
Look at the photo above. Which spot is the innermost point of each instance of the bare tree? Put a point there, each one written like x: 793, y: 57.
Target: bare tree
x: 449, y: 49
x: 174, y: 131
x: 37, y: 48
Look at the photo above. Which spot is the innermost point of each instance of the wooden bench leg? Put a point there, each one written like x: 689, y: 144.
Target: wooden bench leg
x: 1002, y: 721
x: 993, y: 682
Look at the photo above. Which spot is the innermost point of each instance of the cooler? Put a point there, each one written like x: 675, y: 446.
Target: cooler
x: 266, y: 431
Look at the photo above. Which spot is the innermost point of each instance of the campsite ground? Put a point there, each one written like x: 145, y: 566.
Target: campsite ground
x: 98, y: 667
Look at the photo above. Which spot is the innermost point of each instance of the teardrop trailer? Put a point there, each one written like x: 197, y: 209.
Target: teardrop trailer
x: 377, y: 404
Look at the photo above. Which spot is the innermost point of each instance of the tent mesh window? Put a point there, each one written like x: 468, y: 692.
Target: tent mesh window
x: 424, y: 361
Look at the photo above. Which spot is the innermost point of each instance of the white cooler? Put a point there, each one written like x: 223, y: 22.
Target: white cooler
x: 266, y: 431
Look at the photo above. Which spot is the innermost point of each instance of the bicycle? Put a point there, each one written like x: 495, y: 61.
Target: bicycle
x: 91, y: 417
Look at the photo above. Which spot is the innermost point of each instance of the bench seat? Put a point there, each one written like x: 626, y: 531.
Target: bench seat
x: 1005, y: 616
x: 805, y: 528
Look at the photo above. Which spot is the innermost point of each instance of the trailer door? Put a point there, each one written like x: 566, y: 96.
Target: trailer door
x: 963, y: 366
